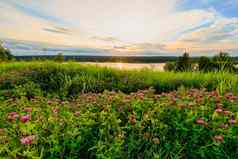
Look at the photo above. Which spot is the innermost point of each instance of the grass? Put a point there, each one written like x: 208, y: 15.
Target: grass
x: 70, y: 79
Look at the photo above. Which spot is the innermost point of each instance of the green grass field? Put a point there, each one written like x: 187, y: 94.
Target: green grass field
x: 68, y: 110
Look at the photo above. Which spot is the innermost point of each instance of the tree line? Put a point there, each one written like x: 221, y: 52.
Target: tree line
x: 220, y: 62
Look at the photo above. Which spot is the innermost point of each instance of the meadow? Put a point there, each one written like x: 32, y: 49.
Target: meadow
x: 69, y: 110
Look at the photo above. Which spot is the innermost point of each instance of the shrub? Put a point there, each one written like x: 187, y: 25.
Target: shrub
x: 170, y: 66
x: 5, y: 54
x: 59, y: 57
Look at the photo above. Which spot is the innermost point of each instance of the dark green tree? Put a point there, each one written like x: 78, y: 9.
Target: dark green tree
x: 184, y: 63
x: 205, y: 64
x: 223, y: 62
x: 5, y: 54
x: 59, y: 57
x: 170, y: 66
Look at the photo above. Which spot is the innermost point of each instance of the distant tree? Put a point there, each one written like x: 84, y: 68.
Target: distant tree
x: 184, y: 63
x: 59, y: 57
x: 5, y: 54
x: 170, y: 66
x: 223, y: 62
x: 205, y: 64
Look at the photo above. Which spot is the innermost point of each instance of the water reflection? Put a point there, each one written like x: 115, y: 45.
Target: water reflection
x: 129, y: 66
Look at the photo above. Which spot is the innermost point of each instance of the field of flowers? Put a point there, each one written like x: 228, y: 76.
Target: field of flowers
x: 180, y: 124
x: 50, y: 110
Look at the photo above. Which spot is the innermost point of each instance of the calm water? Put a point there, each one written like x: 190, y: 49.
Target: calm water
x: 129, y: 66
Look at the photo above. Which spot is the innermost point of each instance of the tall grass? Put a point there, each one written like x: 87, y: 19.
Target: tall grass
x: 69, y: 79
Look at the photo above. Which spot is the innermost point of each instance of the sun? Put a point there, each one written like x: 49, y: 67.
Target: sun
x: 120, y: 66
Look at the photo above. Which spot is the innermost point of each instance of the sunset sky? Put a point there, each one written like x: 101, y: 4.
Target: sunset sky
x: 125, y: 26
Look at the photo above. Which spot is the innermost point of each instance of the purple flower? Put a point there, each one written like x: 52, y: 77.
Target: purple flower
x: 201, y: 122
x: 219, y: 110
x: 227, y: 112
x: 77, y: 114
x: 28, y: 110
x: 12, y: 116
x: 219, y: 138
x: 56, y: 110
x: 25, y: 118
x: 50, y: 102
x: 62, y: 102
x: 232, y: 121
x: 28, y: 140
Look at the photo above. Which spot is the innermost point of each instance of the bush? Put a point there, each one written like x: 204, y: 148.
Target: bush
x: 5, y: 54
x: 205, y: 64
x: 59, y: 57
x: 170, y: 66
x: 29, y: 90
x: 184, y: 63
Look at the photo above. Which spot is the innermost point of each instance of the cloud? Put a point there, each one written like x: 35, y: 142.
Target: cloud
x: 58, y: 30
x: 126, y: 26
x: 105, y: 38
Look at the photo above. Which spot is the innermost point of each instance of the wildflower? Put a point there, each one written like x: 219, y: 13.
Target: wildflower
x: 62, y: 102
x: 227, y: 112
x: 77, y: 114
x: 181, y: 106
x: 224, y: 126
x: 2, y: 131
x: 219, y: 138
x: 28, y: 110
x: 232, y: 121
x: 156, y: 140
x: 146, y: 135
x: 56, y: 110
x: 50, y: 102
x: 25, y: 118
x: 201, y: 122
x: 132, y: 119
x: 12, y: 116
x: 219, y: 110
x: 219, y: 105
x: 140, y: 95
x: 28, y: 140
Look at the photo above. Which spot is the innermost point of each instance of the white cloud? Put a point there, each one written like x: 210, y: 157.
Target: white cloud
x: 135, y: 22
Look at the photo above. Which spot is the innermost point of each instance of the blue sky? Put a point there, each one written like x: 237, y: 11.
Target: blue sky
x: 122, y: 27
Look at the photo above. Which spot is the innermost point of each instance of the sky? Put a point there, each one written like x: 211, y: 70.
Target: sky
x: 125, y: 26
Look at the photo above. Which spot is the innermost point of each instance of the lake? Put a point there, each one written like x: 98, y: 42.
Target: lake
x: 129, y: 66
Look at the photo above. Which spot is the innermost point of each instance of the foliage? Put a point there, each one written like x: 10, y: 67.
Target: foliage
x: 59, y: 57
x: 184, y: 63
x: 182, y: 124
x: 170, y: 66
x: 5, y: 54
x: 70, y: 79
x: 220, y: 62
x: 223, y: 62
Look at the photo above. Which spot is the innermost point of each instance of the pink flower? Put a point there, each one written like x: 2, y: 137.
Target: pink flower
x: 50, y: 102
x: 25, y: 118
x: 2, y: 131
x: 28, y: 110
x: 219, y: 138
x: 56, y: 110
x: 62, y: 102
x: 224, y: 126
x: 77, y: 113
x: 28, y: 140
x: 219, y: 110
x: 12, y: 116
x: 227, y: 112
x: 201, y: 122
x: 232, y: 121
